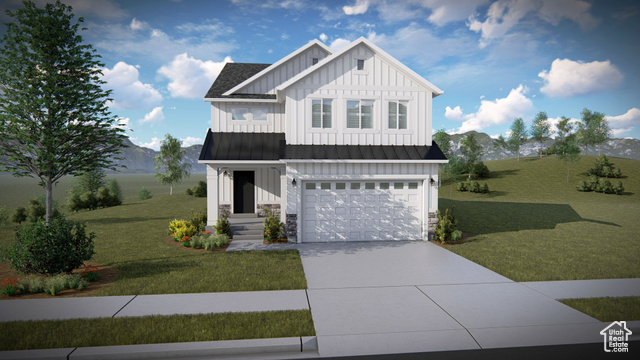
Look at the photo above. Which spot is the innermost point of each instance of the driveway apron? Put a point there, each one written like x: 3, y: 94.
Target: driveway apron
x: 402, y: 297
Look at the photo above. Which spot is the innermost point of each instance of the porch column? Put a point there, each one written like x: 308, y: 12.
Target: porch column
x: 213, y: 177
x: 283, y: 193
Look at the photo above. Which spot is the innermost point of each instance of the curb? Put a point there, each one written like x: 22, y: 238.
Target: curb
x: 290, y: 345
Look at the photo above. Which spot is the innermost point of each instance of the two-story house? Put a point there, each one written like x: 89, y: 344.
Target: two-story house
x: 340, y: 144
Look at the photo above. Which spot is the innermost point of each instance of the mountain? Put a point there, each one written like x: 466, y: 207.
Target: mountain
x: 624, y: 148
x: 139, y: 159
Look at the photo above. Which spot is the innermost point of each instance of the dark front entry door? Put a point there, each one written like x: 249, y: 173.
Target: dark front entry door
x: 243, y: 192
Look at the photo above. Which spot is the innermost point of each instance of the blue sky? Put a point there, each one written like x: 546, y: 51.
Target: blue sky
x: 495, y: 60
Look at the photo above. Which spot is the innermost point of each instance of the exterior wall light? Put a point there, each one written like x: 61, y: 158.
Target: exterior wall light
x: 293, y: 183
x: 432, y: 182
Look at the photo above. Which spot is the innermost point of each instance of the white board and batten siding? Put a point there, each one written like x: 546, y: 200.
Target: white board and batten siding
x: 267, y: 84
x: 267, y: 186
x: 376, y: 213
x: 221, y: 119
x: 339, y: 80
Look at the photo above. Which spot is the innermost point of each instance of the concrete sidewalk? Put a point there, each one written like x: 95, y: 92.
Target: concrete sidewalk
x: 143, y: 305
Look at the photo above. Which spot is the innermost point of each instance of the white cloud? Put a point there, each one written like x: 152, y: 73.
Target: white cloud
x: 568, y: 78
x: 454, y: 114
x: 360, y: 7
x: 138, y: 25
x: 554, y: 125
x: 128, y: 91
x: 339, y: 43
x: 123, y: 123
x: 623, y: 123
x: 497, y: 112
x: 446, y: 11
x: 191, y: 141
x: 323, y: 37
x: 191, y: 77
x: 153, y: 144
x: 503, y: 15
x: 155, y: 116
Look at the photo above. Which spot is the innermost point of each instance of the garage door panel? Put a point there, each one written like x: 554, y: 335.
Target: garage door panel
x: 357, y: 211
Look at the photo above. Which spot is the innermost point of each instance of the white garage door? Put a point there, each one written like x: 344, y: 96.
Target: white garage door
x: 361, y: 210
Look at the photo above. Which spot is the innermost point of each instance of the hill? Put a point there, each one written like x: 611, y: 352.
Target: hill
x: 623, y: 148
x: 139, y: 160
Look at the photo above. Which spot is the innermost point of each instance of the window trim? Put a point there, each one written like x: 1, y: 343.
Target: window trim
x: 334, y: 120
x: 365, y: 67
x: 249, y: 115
x: 374, y: 111
x: 398, y: 102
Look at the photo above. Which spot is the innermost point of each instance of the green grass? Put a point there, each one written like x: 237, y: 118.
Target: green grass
x: 608, y: 308
x: 131, y: 239
x: 534, y: 226
x: 23, y: 335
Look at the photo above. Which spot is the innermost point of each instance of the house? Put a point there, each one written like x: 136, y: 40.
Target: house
x: 338, y: 143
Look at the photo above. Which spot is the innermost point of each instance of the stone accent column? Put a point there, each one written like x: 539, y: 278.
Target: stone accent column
x: 433, y: 220
x: 274, y: 208
x: 292, y: 228
x: 213, y: 175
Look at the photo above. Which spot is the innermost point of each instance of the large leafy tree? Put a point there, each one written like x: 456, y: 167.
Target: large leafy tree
x: 471, y: 151
x: 563, y: 135
x: 518, y: 135
x: 540, y: 129
x: 53, y: 115
x: 170, y: 165
x: 594, y: 129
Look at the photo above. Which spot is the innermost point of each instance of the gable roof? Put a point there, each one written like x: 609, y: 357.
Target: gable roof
x: 225, y: 146
x: 233, y: 74
x: 436, y: 91
x: 263, y: 72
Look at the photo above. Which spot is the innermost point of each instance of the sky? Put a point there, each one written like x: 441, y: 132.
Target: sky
x: 494, y: 60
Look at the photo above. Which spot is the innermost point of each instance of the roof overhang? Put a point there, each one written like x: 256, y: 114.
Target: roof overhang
x: 241, y: 100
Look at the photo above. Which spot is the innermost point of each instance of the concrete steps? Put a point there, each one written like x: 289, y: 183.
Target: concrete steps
x: 246, y: 227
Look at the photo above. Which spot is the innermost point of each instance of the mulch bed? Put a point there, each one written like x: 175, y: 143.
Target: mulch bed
x: 107, y: 276
x: 169, y: 240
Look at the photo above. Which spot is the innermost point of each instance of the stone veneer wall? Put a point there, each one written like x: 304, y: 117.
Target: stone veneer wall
x: 433, y: 220
x: 275, y: 209
x: 223, y: 208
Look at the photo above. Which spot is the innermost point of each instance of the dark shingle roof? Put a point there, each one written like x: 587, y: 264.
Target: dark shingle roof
x: 233, y: 74
x: 271, y: 146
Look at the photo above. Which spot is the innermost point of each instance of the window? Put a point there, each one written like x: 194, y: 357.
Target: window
x: 325, y: 186
x: 239, y: 114
x: 314, y: 61
x: 397, y: 114
x: 311, y: 186
x: 249, y: 114
x: 360, y: 114
x: 321, y: 113
x: 340, y: 186
x: 355, y: 186
x: 398, y: 186
x: 360, y: 64
x: 413, y: 185
x: 369, y: 186
x: 384, y: 186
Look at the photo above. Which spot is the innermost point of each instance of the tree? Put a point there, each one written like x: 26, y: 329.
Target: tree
x: 594, y: 129
x: 540, y: 129
x: 169, y: 166
x: 569, y: 152
x: 53, y: 115
x: 92, y: 180
x: 517, y: 137
x: 564, y: 135
x: 471, y: 151
x: 444, y: 143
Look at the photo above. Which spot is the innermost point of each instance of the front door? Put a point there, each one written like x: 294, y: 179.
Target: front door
x: 243, y: 192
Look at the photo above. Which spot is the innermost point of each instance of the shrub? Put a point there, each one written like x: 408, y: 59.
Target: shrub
x: 222, y: 225
x: 618, y: 188
x: 4, y: 216
x: 583, y: 186
x: 35, y: 284
x: 89, y: 201
x: 179, y: 229
x: 480, y: 170
x: 273, y: 227
x: 116, y: 191
x: 105, y: 198
x: 9, y: 286
x: 200, y: 190
x: 199, y: 219
x: 37, y: 208
x: 214, y: 241
x: 19, y: 216
x: 604, y: 168
x: 90, y: 273
x: 474, y: 187
x: 189, y: 192
x: 144, y: 194
x: 60, y: 247
x: 484, y: 188
x: 54, y: 285
x: 446, y: 231
x: 462, y: 186
x: 604, y: 186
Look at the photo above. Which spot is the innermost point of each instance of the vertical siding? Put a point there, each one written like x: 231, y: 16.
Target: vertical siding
x: 221, y: 118
x: 381, y: 81
x: 267, y: 186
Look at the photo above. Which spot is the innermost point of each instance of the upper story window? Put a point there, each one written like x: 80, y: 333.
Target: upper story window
x: 360, y: 114
x: 249, y: 113
x: 360, y: 64
x: 397, y: 114
x: 314, y: 61
x: 321, y: 113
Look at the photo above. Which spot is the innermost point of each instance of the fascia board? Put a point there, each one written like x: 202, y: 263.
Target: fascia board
x: 278, y: 63
x: 241, y: 100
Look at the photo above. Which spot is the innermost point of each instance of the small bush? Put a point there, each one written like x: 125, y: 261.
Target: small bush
x: 480, y: 170
x: 144, y: 194
x: 89, y: 201
x: 583, y: 186
x: 474, y: 187
x: 484, y: 188
x: 37, y: 208
x: 116, y: 191
x: 189, y: 192
x: 462, y: 186
x: 4, y: 216
x: 19, y: 216
x: 36, y: 284
x: 90, y: 273
x: 9, y: 286
x: 604, y: 168
x: 618, y: 188
x: 106, y: 198
x: 200, y: 190
x: 181, y: 229
x: 604, y: 186
x: 199, y: 219
x: 273, y: 227
x: 446, y: 231
x: 223, y: 226
x: 60, y: 247
x: 54, y: 285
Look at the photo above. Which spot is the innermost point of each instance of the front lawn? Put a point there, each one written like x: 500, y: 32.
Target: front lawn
x: 534, y: 226
x: 608, y: 308
x: 50, y: 334
x: 132, y: 240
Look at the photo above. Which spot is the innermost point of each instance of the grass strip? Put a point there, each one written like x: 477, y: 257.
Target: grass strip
x: 50, y: 334
x: 608, y: 308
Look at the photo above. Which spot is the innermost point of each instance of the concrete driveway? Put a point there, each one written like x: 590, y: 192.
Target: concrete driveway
x: 401, y: 297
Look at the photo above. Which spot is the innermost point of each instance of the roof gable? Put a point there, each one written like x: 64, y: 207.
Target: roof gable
x: 322, y: 63
x: 274, y: 66
x: 231, y: 75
